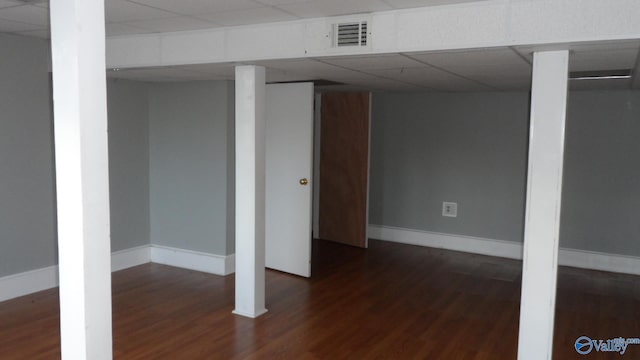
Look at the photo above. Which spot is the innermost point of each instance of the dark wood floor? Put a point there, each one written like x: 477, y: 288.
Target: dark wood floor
x: 388, y: 302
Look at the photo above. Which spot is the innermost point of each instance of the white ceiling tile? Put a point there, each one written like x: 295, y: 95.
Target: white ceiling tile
x: 179, y: 23
x: 497, y: 68
x: 220, y: 70
x: 613, y: 55
x: 501, y: 78
x: 373, y: 62
x: 521, y: 83
x: 248, y: 16
x: 282, y: 2
x: 473, y: 59
x: 7, y: 3
x: 477, y: 70
x: 116, y: 29
x: 599, y: 84
x: 166, y: 73
x: 121, y: 10
x: 197, y: 7
x: 311, y: 67
x: 304, y: 70
x: 403, y: 4
x: 528, y: 51
x: 431, y: 78
x: 274, y: 75
x: 42, y: 34
x: 604, y: 46
x: 381, y: 83
x: 27, y: 14
x: 14, y: 26
x: 603, y: 60
x: 321, y: 8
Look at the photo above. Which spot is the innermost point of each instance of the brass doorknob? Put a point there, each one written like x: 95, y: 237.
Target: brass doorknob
x: 304, y: 181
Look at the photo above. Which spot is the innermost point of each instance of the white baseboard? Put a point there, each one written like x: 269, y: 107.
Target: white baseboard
x: 599, y: 261
x: 127, y: 258
x: 506, y: 249
x: 230, y: 264
x: 28, y: 282
x: 193, y: 260
x: 499, y: 248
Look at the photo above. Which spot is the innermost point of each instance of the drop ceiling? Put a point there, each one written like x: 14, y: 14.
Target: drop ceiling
x: 128, y: 17
x: 495, y: 69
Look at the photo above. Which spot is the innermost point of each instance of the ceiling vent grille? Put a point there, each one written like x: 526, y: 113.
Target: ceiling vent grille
x: 350, y: 34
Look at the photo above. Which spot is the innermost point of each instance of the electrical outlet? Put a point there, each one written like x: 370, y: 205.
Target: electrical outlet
x: 450, y: 209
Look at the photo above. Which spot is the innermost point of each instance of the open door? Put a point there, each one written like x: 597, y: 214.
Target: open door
x: 289, y: 168
x: 344, y: 168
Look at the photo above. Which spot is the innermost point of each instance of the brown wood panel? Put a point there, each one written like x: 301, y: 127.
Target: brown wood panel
x: 391, y: 301
x: 344, y: 167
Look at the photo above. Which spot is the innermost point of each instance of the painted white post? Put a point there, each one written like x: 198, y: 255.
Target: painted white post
x: 544, y: 193
x: 82, y: 181
x: 250, y: 191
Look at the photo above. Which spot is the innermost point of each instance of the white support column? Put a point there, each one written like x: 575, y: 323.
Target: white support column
x: 544, y: 192
x: 82, y: 181
x: 250, y: 191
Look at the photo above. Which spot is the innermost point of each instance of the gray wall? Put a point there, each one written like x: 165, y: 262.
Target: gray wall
x: 468, y: 148
x: 27, y: 206
x: 27, y: 181
x: 189, y: 168
x: 231, y: 168
x: 472, y: 148
x: 601, y: 189
x: 128, y: 163
x: 180, y: 134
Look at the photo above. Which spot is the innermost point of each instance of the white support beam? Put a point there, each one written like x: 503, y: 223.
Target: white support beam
x: 479, y: 24
x: 544, y: 193
x: 250, y: 191
x: 82, y: 181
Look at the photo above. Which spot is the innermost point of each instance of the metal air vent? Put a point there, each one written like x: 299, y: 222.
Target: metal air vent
x: 350, y: 34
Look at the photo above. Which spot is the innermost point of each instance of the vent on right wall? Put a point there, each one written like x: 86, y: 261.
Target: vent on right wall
x: 350, y: 34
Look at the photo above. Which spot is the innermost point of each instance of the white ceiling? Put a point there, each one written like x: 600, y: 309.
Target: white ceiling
x: 497, y: 69
x: 128, y: 17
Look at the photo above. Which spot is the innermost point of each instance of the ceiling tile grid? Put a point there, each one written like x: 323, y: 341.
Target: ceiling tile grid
x: 247, y: 16
x: 171, y: 24
x: 8, y: 3
x: 9, y: 26
x: 198, y: 7
x: 115, y: 29
x: 375, y: 62
x: 501, y: 69
x: 322, y: 8
x: 29, y: 14
x: 122, y: 10
x: 30, y: 19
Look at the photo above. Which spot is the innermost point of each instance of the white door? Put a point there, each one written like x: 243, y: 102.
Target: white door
x: 289, y: 160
